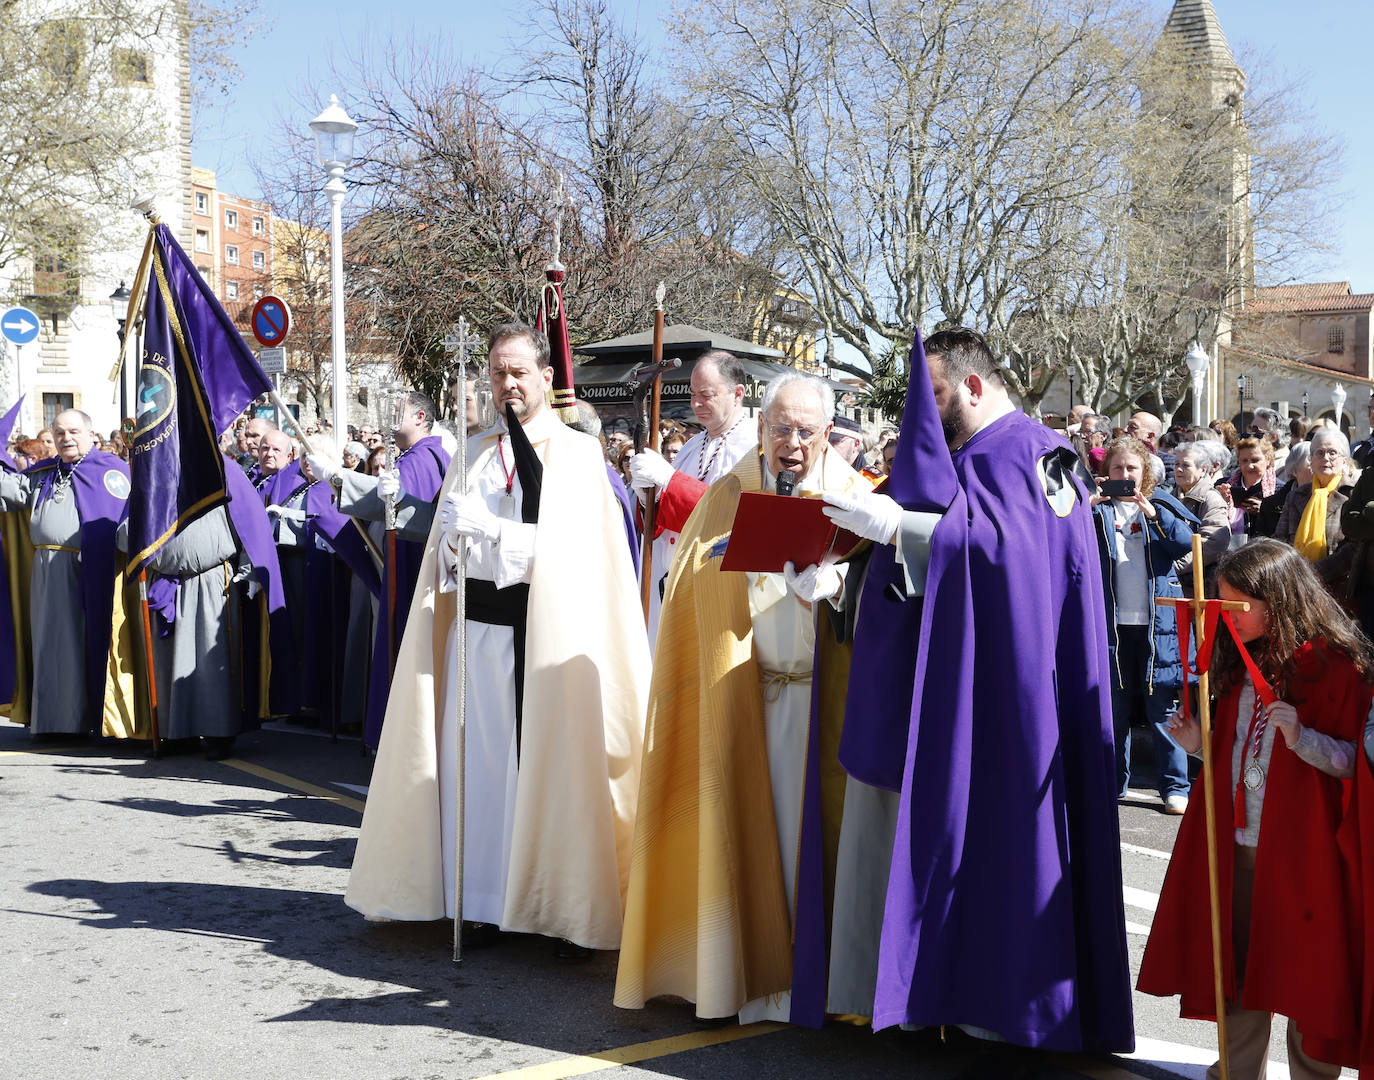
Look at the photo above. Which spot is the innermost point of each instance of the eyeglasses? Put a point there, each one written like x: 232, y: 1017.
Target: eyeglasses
x: 783, y: 433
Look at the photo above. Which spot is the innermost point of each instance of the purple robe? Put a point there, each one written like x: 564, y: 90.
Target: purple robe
x: 100, y: 486
x: 422, y: 469
x: 1004, y: 907
x: 306, y: 660
x: 8, y: 661
x: 627, y: 512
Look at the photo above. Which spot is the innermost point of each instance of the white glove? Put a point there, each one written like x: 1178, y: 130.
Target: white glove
x: 865, y: 513
x: 321, y: 468
x: 650, y: 469
x: 467, y: 515
x: 273, y: 510
x: 389, y: 483
x: 819, y: 581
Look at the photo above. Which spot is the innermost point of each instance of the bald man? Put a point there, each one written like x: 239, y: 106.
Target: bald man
x: 78, y: 502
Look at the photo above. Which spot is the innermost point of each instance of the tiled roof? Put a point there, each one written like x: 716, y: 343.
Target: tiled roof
x: 1316, y: 296
x: 1196, y: 22
x: 1283, y: 362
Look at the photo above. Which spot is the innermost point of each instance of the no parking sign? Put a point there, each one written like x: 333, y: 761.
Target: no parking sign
x: 271, y: 321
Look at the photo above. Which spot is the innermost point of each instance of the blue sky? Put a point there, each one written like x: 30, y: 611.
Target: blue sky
x: 1321, y: 42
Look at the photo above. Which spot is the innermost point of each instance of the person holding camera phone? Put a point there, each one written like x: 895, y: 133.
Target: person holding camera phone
x: 1140, y: 532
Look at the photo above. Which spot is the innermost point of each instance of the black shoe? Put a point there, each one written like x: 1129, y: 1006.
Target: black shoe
x: 218, y: 747
x: 480, y: 935
x: 713, y: 1021
x: 567, y: 952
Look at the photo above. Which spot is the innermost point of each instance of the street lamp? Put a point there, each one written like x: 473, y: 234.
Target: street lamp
x: 334, y: 130
x: 1304, y: 404
x: 1241, y: 385
x: 1338, y: 396
x: 1198, y: 361
x: 119, y: 308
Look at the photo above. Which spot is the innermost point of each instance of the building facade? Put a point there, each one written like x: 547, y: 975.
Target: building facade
x: 72, y: 361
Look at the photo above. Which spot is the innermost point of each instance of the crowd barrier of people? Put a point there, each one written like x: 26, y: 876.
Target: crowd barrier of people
x: 685, y: 762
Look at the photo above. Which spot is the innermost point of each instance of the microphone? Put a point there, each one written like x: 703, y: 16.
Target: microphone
x: 786, y: 482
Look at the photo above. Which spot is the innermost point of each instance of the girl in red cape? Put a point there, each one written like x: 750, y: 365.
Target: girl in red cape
x: 1283, y: 782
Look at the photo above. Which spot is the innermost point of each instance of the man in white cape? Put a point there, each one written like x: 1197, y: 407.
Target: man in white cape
x: 549, y: 803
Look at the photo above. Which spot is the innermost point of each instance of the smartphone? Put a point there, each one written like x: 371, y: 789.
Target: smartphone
x: 1117, y: 489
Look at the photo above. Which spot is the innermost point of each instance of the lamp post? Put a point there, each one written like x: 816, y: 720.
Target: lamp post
x: 1241, y: 385
x: 1198, y: 362
x: 1304, y: 404
x: 1338, y: 396
x: 334, y: 130
x: 119, y: 308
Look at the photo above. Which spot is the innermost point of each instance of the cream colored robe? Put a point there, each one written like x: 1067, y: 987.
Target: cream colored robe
x: 586, y: 684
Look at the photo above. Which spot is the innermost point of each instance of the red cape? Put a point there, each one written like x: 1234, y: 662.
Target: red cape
x: 1302, y: 961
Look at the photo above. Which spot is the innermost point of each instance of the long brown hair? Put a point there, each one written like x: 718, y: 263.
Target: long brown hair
x: 1300, y: 610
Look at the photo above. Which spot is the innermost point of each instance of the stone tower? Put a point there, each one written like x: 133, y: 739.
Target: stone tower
x: 1195, y: 38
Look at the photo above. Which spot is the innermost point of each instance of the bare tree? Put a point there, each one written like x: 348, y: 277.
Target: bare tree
x: 77, y: 117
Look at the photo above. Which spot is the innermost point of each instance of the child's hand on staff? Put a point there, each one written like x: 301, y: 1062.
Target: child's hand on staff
x: 1187, y: 732
x: 1283, y: 716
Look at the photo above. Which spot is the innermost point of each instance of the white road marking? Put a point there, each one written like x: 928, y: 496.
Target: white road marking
x: 1139, y: 898
x: 1154, y: 853
x: 1137, y: 929
x: 358, y: 789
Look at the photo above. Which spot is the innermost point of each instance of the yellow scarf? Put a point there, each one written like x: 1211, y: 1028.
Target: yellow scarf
x: 1311, y: 538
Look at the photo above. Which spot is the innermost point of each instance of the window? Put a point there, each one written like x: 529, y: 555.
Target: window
x: 231, y: 219
x: 53, y: 275
x: 203, y: 271
x: 1335, y: 339
x: 203, y: 240
x: 231, y: 254
x: 259, y: 226
x: 202, y: 202
x: 61, y: 48
x: 132, y: 68
x: 231, y: 290
x: 54, y: 404
x: 259, y: 260
x: 257, y: 292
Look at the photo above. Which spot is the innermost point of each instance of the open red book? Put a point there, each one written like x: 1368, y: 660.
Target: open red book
x: 771, y: 530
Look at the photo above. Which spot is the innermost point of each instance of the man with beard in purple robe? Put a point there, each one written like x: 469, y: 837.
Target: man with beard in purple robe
x: 983, y: 607
x: 414, y: 484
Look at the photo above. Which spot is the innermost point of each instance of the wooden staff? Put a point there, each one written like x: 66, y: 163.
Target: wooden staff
x: 1199, y: 605
x: 148, y: 653
x: 648, y: 436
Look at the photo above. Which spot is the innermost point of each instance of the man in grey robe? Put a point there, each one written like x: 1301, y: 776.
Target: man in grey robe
x: 80, y: 486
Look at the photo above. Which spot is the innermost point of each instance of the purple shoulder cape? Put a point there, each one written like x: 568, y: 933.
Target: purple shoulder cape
x: 1004, y: 906
x: 325, y: 520
x: 249, y: 519
x: 100, y: 485
x: 422, y: 470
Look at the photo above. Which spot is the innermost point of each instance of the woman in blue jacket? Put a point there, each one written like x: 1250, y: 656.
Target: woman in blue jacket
x: 1138, y: 537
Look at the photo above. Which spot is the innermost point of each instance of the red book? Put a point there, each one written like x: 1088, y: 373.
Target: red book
x: 770, y: 530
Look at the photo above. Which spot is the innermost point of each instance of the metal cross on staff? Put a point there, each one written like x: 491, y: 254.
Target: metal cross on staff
x: 457, y: 344
x: 1202, y: 608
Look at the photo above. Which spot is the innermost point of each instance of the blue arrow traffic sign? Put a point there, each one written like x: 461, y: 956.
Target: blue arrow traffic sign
x: 19, y: 325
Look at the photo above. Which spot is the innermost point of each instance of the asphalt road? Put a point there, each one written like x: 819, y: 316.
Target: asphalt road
x: 181, y: 918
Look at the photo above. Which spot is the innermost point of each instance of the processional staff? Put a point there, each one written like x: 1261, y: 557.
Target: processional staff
x: 648, y: 399
x: 456, y: 345
x: 1205, y: 614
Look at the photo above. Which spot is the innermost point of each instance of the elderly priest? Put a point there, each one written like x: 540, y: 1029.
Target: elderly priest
x: 741, y: 798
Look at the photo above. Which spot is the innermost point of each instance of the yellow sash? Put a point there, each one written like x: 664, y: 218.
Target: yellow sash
x: 1311, y: 538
